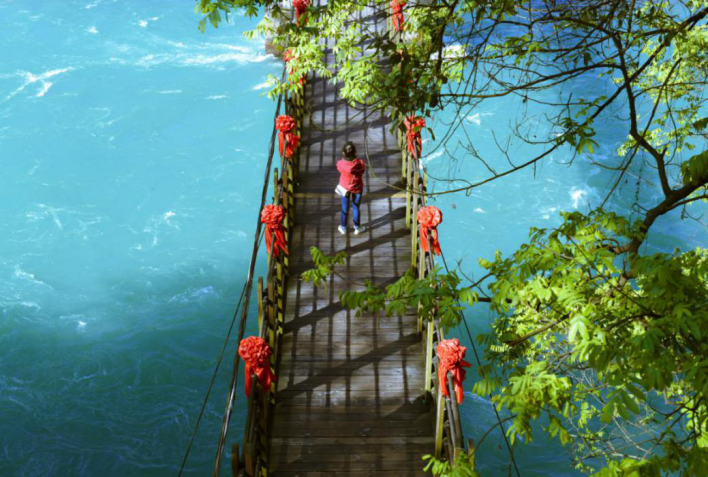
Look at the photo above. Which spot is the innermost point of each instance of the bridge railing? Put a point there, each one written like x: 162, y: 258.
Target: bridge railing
x: 271, y: 297
x: 448, y: 429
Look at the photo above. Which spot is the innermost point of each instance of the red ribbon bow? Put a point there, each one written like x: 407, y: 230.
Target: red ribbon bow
x: 414, y: 124
x: 397, y: 13
x: 300, y: 9
x: 289, y: 56
x: 286, y: 139
x: 272, y: 216
x: 256, y: 352
x: 451, y: 359
x: 429, y: 218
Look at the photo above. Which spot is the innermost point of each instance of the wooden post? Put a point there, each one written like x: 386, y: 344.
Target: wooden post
x: 471, y: 452
x: 409, y: 191
x: 259, y: 294
x: 439, y: 422
x: 448, y: 441
x: 429, y: 351
x: 284, y: 192
x: 404, y: 155
x: 452, y: 413
x: 458, y: 453
x: 280, y: 291
x: 288, y: 189
x: 271, y: 308
x: 234, y: 460
x: 414, y: 224
x: 286, y: 198
x: 263, y: 427
x: 275, y: 202
x: 276, y: 196
x: 249, y: 438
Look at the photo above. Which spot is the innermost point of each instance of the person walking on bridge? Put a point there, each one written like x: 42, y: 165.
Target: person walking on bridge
x: 351, y: 186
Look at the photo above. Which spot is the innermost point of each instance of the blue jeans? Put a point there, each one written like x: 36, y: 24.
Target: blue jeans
x: 355, y: 200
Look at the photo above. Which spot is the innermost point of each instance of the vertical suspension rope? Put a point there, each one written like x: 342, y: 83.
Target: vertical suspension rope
x: 244, y: 310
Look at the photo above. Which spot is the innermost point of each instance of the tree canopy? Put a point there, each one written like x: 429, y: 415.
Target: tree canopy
x: 598, y: 338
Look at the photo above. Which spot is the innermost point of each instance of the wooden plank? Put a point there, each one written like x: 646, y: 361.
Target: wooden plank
x: 322, y: 420
x: 283, y: 428
x: 382, y: 473
x: 302, y: 415
x: 325, y: 304
x: 349, y: 274
x: 370, y: 337
x: 350, y: 394
x: 349, y: 454
x: 331, y: 210
x: 367, y: 336
x: 307, y: 360
x: 350, y: 350
x: 404, y: 342
x: 417, y: 406
x: 350, y: 368
x: 364, y: 328
x: 339, y: 327
x: 378, y: 465
x: 326, y: 194
x: 381, y: 234
x: 347, y: 441
x: 343, y: 385
x: 373, y: 243
x: 342, y: 400
x: 344, y: 319
x: 330, y: 289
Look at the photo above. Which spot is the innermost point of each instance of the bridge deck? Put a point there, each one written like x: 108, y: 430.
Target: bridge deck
x: 350, y: 390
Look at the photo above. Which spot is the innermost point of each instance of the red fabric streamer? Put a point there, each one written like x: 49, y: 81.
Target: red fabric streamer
x: 272, y: 216
x: 451, y: 359
x: 285, y: 126
x: 429, y: 218
x: 397, y: 13
x: 291, y: 145
x: 414, y: 124
x: 289, y: 56
x: 256, y: 352
x: 300, y: 9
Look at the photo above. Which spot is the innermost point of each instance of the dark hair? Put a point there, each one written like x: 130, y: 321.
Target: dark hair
x: 349, y: 151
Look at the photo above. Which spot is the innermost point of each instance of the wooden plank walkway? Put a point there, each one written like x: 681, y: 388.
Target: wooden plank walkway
x: 350, y: 393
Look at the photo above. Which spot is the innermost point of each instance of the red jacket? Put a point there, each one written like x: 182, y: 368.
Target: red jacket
x: 350, y: 175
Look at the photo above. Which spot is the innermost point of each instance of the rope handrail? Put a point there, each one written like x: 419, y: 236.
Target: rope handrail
x: 271, y: 300
x: 248, y: 288
x: 448, y: 428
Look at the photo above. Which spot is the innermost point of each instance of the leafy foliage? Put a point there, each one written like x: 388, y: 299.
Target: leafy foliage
x: 324, y: 266
x: 438, y: 295
x: 463, y: 467
x: 609, y: 349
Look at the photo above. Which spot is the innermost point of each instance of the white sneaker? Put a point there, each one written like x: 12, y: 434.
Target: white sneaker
x: 359, y: 230
x: 342, y: 230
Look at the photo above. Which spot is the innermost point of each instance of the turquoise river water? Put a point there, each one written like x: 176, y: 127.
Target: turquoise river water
x: 132, y: 151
